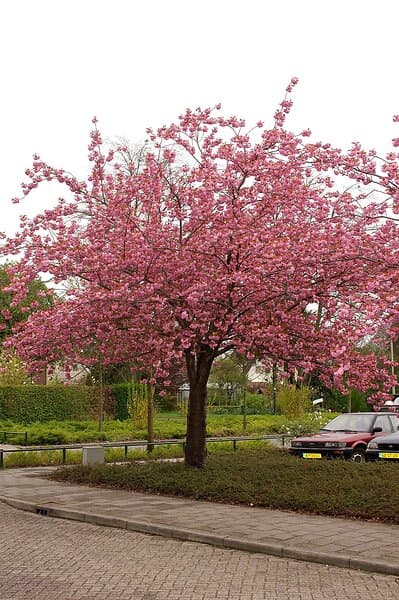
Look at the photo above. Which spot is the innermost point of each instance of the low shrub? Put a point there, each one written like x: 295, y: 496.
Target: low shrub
x: 43, y: 436
x: 257, y: 404
x: 166, y: 403
x: 170, y: 425
x: 293, y: 402
x: 264, y: 477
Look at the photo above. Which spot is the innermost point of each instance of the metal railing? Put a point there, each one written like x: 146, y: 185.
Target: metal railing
x: 6, y: 434
x: 136, y: 444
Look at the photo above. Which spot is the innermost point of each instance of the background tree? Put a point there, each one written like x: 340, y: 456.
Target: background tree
x: 227, y: 373
x: 230, y: 373
x: 37, y: 297
x: 12, y: 369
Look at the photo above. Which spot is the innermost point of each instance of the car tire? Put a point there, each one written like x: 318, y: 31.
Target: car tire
x: 358, y: 455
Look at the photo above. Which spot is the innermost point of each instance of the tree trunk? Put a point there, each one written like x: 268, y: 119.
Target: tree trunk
x: 198, y: 370
x: 274, y: 386
x: 244, y: 410
x: 101, y: 400
x: 150, y: 417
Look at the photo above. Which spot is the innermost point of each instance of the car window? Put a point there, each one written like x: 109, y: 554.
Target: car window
x: 351, y: 422
x: 394, y: 421
x: 385, y: 422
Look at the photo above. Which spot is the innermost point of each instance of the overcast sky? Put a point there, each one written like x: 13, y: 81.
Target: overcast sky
x: 135, y: 64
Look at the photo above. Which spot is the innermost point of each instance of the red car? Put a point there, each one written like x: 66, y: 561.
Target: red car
x: 346, y: 436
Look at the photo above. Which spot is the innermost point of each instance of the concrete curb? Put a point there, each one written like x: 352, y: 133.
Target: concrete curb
x: 191, y: 535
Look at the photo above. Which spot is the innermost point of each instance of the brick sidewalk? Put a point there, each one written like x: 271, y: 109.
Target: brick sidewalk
x: 335, y: 541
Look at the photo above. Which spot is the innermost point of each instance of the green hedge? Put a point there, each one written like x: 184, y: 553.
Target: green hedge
x: 41, y: 403
x: 32, y: 403
x: 121, y: 393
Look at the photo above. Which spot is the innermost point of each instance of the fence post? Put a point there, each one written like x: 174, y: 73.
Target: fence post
x: 1, y: 460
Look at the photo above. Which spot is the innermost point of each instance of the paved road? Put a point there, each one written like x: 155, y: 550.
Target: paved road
x: 48, y: 559
x: 345, y: 543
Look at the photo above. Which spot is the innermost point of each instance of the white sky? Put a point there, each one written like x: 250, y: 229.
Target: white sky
x: 135, y: 64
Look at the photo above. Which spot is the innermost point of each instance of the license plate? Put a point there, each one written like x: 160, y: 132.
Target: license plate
x: 311, y: 455
x: 389, y: 455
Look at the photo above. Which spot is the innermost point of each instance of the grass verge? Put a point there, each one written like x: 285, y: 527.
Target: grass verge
x: 48, y: 458
x: 167, y: 425
x: 261, y: 476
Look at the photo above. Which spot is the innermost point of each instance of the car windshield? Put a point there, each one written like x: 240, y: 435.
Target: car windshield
x: 350, y: 422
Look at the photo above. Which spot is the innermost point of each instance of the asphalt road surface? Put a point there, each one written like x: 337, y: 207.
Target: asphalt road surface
x: 43, y: 558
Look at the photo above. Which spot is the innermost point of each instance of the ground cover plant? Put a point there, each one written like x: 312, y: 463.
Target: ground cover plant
x: 262, y: 477
x: 167, y: 425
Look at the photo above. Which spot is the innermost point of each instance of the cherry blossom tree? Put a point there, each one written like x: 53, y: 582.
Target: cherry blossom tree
x: 225, y: 239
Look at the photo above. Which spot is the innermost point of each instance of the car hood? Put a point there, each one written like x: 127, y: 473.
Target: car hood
x: 390, y: 438
x: 337, y: 436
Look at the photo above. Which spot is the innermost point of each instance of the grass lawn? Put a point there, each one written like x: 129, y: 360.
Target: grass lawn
x: 167, y: 425
x: 46, y: 458
x: 258, y: 475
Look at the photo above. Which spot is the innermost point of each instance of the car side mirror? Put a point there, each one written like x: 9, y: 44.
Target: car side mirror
x: 378, y: 429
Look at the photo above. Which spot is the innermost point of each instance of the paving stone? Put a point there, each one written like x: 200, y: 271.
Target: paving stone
x: 206, y: 521
x: 51, y: 559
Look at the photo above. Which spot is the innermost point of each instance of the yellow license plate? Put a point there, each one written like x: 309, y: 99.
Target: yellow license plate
x: 389, y: 455
x: 311, y: 455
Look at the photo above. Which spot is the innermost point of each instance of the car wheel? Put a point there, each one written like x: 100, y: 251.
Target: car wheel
x: 358, y: 455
